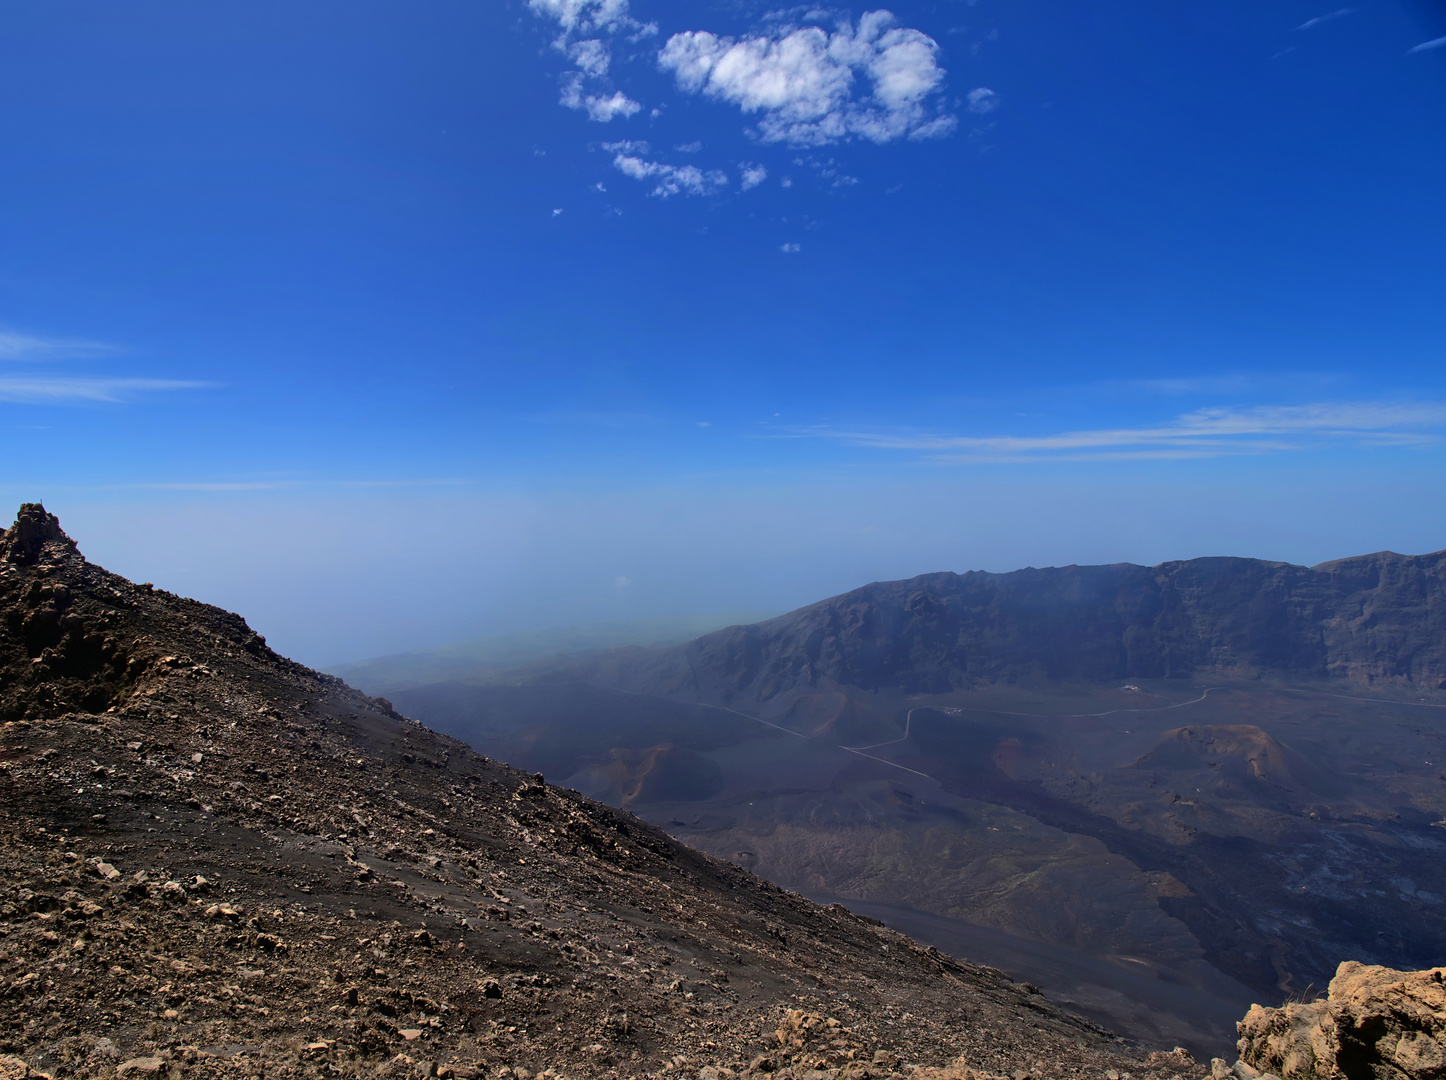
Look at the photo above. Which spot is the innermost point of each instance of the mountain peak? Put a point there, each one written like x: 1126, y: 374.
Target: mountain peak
x: 34, y: 528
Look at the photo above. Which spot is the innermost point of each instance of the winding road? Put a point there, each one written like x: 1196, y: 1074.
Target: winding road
x: 909, y: 722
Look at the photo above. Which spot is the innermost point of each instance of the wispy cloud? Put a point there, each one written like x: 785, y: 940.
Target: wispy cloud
x: 237, y: 485
x: 801, y: 80
x: 27, y: 347
x: 1330, y: 16
x: 982, y: 100
x: 667, y: 180
x: 1427, y: 46
x: 1212, y: 432
x: 63, y: 390
x: 295, y: 484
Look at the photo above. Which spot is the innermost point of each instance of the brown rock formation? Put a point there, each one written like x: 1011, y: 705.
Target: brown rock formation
x: 1373, y: 1024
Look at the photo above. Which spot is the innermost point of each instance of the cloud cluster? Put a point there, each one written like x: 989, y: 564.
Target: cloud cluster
x: 806, y: 84
x: 586, y: 16
x: 586, y: 88
x: 803, y: 82
x: 667, y: 180
x: 1211, y: 432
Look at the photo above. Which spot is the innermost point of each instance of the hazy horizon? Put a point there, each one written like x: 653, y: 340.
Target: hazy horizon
x: 331, y: 579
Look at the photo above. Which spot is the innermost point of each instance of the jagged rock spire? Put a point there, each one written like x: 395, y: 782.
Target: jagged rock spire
x: 34, y: 528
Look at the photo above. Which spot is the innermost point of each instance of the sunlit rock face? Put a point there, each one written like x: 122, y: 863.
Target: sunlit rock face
x: 1374, y: 1022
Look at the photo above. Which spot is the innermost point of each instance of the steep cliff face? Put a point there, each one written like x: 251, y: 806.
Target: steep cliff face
x: 1376, y: 618
x: 1390, y: 620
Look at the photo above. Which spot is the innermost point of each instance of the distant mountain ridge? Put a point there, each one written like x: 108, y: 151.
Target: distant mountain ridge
x: 1377, y: 618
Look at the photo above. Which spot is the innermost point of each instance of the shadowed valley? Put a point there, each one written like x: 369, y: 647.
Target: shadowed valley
x: 1159, y: 792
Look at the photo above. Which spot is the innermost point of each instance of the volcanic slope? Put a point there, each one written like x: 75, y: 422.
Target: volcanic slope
x: 1222, y: 776
x: 215, y: 862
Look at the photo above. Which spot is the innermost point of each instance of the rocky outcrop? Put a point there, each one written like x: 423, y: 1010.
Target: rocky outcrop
x: 34, y: 527
x: 1374, y: 1023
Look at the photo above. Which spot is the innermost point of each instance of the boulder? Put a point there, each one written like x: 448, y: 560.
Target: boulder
x: 958, y: 1069
x: 14, y: 1068
x: 1375, y: 1023
x: 146, y: 1066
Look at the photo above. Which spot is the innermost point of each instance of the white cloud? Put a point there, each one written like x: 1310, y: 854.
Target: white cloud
x: 668, y: 180
x: 790, y: 249
x: 65, y: 390
x: 598, y: 107
x: 1211, y: 432
x: 803, y: 81
x: 1427, y: 46
x: 586, y: 89
x: 753, y: 175
x: 982, y: 100
x: 15, y: 346
x: 689, y: 147
x: 603, y: 109
x: 586, y: 16
x: 591, y: 57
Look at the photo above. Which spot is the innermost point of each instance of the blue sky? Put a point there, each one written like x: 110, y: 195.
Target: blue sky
x: 577, y: 309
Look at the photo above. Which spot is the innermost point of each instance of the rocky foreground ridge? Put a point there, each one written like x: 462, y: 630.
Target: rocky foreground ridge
x: 217, y: 863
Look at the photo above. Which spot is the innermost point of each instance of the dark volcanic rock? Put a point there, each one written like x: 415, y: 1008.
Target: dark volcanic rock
x: 1376, y: 618
x: 215, y: 862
